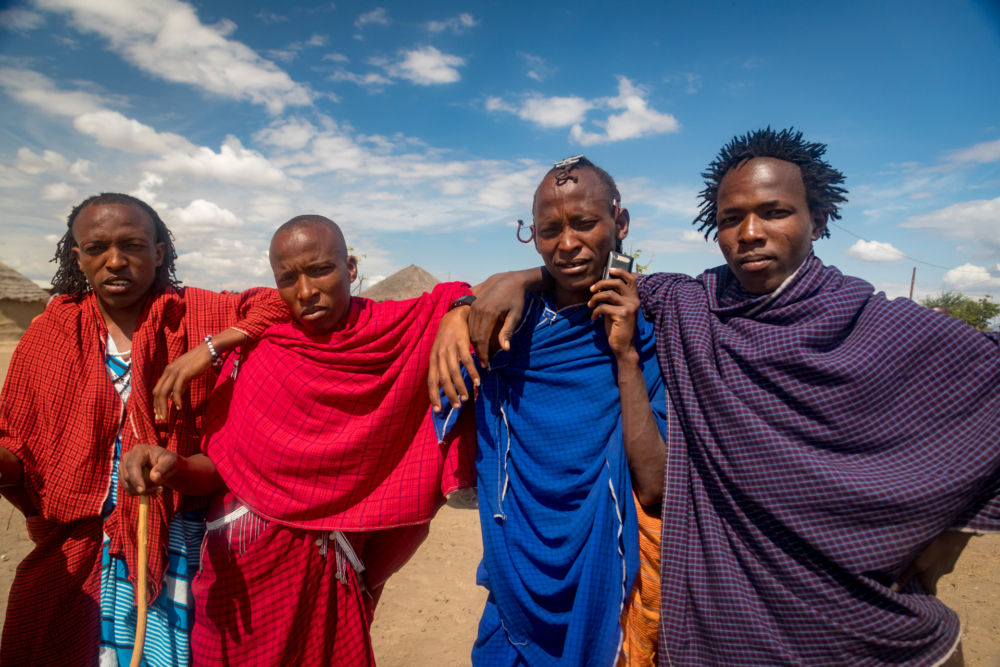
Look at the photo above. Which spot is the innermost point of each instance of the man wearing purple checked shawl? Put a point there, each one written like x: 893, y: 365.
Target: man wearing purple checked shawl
x: 829, y: 451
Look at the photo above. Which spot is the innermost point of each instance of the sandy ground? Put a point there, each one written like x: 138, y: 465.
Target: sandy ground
x: 429, y: 612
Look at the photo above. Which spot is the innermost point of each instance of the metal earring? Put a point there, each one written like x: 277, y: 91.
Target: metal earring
x: 520, y: 223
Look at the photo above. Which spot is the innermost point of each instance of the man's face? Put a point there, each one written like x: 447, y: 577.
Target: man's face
x: 575, y: 229
x: 117, y: 251
x: 313, y: 274
x: 765, y: 227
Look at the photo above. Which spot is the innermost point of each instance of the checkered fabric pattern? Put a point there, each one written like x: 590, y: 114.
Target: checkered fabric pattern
x: 59, y: 414
x: 335, y: 432
x: 819, y: 438
x: 560, y: 544
x: 279, y: 603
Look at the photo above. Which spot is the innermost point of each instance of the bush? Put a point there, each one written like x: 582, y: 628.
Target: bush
x: 969, y: 310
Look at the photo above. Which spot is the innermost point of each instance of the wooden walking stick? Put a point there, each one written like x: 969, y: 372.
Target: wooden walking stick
x: 140, y: 624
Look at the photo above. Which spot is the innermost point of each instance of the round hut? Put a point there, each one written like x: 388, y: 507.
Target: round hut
x: 20, y: 301
x: 408, y: 283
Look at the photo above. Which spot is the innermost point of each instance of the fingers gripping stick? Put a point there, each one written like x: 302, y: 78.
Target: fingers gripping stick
x: 140, y: 625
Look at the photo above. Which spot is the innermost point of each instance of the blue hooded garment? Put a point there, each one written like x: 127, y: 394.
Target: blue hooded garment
x: 560, y: 535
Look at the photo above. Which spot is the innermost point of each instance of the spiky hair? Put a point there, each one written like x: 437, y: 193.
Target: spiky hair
x: 822, y: 182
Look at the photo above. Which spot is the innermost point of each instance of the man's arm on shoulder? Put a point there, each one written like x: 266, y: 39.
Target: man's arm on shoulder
x: 500, y: 298
x: 249, y: 314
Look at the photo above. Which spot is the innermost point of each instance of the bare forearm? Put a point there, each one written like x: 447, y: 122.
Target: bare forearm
x: 644, y: 447
x: 532, y: 280
x: 11, y: 469
x: 196, y: 476
x: 228, y: 340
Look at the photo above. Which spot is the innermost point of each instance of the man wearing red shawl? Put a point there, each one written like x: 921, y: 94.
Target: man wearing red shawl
x: 829, y: 452
x: 77, y: 399
x: 334, y: 466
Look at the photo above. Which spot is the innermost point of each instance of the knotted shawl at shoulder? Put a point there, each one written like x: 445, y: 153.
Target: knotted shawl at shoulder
x: 823, y: 436
x: 335, y: 432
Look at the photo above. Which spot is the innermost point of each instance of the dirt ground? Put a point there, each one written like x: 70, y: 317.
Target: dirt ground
x: 429, y: 612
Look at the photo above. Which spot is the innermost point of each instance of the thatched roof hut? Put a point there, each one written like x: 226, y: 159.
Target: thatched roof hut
x: 407, y: 283
x: 20, y: 301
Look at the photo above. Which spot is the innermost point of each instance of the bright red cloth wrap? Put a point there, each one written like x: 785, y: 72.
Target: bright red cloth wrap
x: 59, y: 413
x: 335, y: 432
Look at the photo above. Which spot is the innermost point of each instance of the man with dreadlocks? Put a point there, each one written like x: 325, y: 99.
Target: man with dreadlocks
x: 829, y: 451
x: 78, y: 400
x: 568, y: 477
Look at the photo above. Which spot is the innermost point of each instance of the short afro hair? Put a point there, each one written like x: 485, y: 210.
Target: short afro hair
x: 69, y: 279
x: 822, y: 182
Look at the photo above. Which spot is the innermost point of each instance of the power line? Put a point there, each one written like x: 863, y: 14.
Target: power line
x: 896, y: 252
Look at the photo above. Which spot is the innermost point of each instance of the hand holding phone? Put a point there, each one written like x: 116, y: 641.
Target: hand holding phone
x: 617, y: 260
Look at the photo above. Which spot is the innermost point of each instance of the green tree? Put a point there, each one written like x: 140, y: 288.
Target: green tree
x: 977, y: 313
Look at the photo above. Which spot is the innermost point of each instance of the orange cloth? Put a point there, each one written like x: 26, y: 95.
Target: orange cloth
x: 641, y: 616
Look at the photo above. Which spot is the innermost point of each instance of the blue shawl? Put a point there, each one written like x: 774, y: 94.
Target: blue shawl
x: 820, y: 438
x: 560, y: 536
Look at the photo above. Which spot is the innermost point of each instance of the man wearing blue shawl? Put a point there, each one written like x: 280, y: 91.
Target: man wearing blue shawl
x: 829, y: 451
x: 560, y: 544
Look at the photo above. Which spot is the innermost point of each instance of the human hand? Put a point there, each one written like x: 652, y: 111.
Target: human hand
x: 937, y: 560
x: 502, y: 303
x: 176, y: 378
x: 617, y: 299
x: 451, y: 346
x: 145, y: 469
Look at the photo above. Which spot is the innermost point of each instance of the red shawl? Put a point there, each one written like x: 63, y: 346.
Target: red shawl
x: 59, y: 413
x: 335, y: 432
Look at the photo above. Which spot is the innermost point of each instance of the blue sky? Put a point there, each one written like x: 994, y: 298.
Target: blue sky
x: 423, y: 128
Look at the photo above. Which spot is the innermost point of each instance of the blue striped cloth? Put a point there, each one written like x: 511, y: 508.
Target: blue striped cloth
x: 555, y: 496
x: 171, y: 617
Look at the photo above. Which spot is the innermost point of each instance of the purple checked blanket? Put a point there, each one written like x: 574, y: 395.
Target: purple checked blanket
x: 818, y: 439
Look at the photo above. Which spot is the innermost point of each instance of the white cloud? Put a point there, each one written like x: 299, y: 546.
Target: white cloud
x: 874, y: 251
x: 21, y: 19
x: 165, y: 38
x: 270, y: 18
x: 677, y: 202
x: 457, y: 24
x: 228, y: 264
x: 29, y: 87
x: 30, y: 163
x: 977, y: 221
x: 673, y: 241
x: 373, y: 79
x: 232, y: 163
x: 538, y: 69
x: 291, y: 52
x: 59, y: 192
x: 376, y: 16
x: 114, y: 130
x: 968, y: 276
x: 988, y: 151
x: 337, y: 57
x: 545, y: 111
x: 292, y: 134
x: 690, y: 81
x: 555, y: 111
x: 638, y: 119
x: 201, y: 217
x: 426, y: 66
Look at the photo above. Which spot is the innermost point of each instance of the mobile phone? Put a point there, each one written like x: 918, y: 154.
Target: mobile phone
x: 616, y: 260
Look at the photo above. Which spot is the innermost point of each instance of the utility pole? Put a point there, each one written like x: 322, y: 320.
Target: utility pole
x: 913, y: 279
